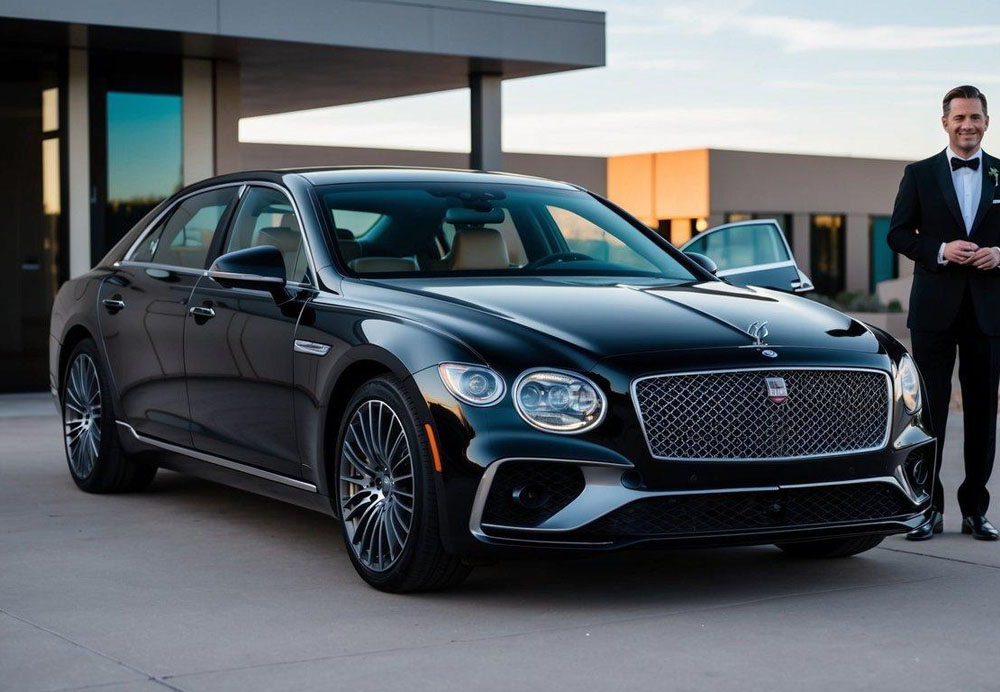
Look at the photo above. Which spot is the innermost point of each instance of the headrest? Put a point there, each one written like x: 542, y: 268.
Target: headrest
x: 376, y: 265
x: 288, y: 220
x: 343, y: 234
x: 281, y: 237
x: 479, y: 248
x: 350, y: 250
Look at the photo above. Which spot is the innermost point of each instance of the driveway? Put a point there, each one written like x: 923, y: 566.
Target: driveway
x: 193, y: 586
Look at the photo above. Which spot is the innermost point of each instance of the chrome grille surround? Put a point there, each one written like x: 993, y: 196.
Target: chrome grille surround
x: 725, y: 415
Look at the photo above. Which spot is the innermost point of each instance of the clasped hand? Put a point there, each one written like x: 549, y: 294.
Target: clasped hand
x: 967, y: 252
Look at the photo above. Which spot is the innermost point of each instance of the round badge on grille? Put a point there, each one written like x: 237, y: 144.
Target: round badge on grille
x: 768, y: 353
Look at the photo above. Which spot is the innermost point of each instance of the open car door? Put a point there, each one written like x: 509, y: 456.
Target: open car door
x: 751, y: 253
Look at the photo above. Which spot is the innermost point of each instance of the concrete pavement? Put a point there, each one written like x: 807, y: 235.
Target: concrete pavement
x: 193, y: 586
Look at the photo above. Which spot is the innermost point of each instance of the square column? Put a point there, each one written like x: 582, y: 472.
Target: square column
x: 486, y: 153
x: 858, y: 239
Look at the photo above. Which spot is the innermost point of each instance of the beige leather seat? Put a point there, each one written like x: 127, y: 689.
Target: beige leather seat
x: 287, y: 241
x: 479, y: 248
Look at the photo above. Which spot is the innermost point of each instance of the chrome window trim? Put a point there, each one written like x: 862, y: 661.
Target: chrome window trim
x: 757, y: 268
x: 244, y: 186
x: 165, y: 267
x: 219, y: 461
x: 881, y: 445
x: 619, y: 496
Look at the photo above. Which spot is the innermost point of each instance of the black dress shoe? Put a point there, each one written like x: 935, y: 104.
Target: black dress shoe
x: 980, y: 528
x: 926, y: 531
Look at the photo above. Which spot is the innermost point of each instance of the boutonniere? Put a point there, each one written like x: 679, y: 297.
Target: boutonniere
x: 995, y: 174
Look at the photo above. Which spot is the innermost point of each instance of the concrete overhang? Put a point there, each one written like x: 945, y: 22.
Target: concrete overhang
x: 299, y: 54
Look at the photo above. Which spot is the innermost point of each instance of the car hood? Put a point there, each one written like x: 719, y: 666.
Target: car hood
x: 605, y: 318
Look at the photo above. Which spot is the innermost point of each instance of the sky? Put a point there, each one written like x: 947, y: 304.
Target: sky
x: 852, y: 77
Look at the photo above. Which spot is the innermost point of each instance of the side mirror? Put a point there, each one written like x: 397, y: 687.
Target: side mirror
x: 704, y: 261
x: 261, y: 268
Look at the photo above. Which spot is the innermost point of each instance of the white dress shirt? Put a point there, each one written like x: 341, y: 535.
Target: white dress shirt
x: 969, y: 188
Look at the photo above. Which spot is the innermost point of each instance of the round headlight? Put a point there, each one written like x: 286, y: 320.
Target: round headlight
x: 559, y: 401
x: 907, y: 384
x: 473, y: 384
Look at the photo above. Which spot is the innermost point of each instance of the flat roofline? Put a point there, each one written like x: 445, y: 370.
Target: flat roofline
x: 762, y: 152
x: 476, y: 29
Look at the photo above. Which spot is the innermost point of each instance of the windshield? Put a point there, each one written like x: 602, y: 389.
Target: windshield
x: 463, y: 229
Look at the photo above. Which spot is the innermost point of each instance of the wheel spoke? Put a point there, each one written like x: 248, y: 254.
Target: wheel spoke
x: 376, y: 484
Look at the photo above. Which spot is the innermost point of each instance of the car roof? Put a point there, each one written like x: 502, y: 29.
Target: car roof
x: 397, y: 174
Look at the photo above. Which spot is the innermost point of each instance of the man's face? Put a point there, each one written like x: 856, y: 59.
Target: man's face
x: 965, y: 124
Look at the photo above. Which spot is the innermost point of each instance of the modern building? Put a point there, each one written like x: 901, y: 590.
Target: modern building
x: 834, y: 210
x: 109, y: 107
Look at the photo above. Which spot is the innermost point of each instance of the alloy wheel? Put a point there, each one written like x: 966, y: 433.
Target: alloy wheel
x: 376, y: 485
x: 82, y: 415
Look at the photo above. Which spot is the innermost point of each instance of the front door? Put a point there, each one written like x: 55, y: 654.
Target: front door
x: 238, y: 346
x: 142, y: 309
x: 751, y: 253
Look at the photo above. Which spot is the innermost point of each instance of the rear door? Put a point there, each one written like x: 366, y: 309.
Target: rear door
x: 142, y: 309
x: 238, y: 345
x: 751, y: 253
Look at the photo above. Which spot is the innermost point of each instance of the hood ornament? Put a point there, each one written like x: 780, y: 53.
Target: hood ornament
x: 758, y: 332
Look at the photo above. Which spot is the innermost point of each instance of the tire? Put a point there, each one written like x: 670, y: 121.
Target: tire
x: 96, y: 460
x: 385, y: 488
x: 832, y: 547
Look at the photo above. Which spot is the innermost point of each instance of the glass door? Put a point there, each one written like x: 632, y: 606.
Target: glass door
x: 32, y: 198
x: 136, y: 157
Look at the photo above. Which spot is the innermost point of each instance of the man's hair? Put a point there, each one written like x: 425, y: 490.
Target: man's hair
x: 965, y: 91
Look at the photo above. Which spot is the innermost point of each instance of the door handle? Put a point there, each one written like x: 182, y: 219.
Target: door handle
x: 200, y: 311
x: 113, y: 305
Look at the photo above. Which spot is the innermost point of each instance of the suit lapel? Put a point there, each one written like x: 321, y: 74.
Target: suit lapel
x: 943, y: 170
x: 986, y: 198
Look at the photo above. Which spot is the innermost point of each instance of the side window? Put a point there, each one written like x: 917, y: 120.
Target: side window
x: 265, y: 217
x: 186, y: 236
x: 147, y: 248
x: 584, y: 236
x: 742, y: 246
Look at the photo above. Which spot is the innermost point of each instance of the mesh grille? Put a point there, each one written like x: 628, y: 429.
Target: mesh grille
x: 729, y: 512
x: 728, y: 415
x: 558, y: 483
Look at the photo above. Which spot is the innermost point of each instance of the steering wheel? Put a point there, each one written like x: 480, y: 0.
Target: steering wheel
x: 558, y: 257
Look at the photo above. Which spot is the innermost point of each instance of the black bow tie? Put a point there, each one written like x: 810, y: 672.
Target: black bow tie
x: 957, y: 163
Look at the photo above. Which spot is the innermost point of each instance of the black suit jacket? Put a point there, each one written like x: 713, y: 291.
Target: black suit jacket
x: 927, y: 214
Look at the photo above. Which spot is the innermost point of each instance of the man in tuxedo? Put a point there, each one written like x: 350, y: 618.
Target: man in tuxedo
x: 947, y: 220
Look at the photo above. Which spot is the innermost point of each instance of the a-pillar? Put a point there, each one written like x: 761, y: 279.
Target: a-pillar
x: 484, y: 90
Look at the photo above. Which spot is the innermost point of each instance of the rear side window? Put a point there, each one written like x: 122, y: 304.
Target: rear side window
x: 184, y: 238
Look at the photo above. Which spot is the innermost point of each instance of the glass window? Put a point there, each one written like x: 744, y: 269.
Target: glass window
x: 439, y: 229
x: 884, y: 261
x: 265, y: 217
x: 357, y: 223
x: 827, y: 253
x: 186, y: 237
x: 144, y: 151
x: 589, y: 239
x: 742, y: 246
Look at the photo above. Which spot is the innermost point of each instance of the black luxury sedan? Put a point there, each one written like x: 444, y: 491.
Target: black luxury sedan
x: 462, y: 366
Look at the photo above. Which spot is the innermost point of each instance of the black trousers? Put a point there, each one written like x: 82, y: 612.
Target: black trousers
x: 979, y: 375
